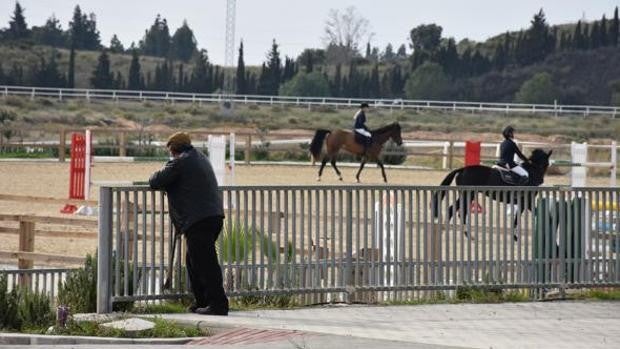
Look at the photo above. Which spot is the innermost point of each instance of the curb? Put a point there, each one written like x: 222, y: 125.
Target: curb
x: 30, y: 339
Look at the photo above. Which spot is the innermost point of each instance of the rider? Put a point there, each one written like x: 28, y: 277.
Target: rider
x: 508, y: 149
x: 360, y: 126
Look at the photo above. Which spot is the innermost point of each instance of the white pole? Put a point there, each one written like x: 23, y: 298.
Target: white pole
x: 87, y: 165
x: 444, y: 163
x: 614, y: 163
x: 232, y: 158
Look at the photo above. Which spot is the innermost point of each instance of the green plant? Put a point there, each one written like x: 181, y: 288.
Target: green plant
x: 9, y: 302
x: 21, y: 308
x: 79, y: 291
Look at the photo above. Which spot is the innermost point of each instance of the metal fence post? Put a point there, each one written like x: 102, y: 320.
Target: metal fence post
x: 348, y: 280
x: 104, y: 254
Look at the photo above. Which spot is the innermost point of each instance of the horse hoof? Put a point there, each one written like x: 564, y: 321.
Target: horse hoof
x: 515, y: 237
x: 340, y: 179
x: 318, y: 179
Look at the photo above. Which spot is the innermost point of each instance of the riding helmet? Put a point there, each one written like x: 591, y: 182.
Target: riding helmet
x: 508, y: 131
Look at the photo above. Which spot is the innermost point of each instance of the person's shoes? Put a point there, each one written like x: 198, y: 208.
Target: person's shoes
x: 211, y: 310
x: 192, y: 308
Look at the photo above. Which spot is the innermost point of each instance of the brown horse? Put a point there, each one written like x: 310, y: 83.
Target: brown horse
x: 346, y: 139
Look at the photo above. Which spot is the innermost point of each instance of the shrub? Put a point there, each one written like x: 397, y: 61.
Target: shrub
x: 21, y: 308
x: 79, y: 291
x: 394, y: 154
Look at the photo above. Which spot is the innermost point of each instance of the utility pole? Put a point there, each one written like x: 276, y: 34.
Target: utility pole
x: 229, y: 54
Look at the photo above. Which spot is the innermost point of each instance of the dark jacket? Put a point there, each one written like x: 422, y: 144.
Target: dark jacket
x: 192, y: 189
x: 360, y: 120
x: 507, y: 151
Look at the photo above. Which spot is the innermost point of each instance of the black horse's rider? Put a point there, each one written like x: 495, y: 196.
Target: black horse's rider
x: 508, y: 149
x: 362, y: 133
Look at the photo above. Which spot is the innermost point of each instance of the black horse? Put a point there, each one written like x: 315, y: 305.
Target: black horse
x: 487, y: 176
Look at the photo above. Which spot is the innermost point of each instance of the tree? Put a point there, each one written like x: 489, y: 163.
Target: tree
x: 614, y: 28
x: 271, y: 73
x: 615, y: 92
x: 603, y: 32
x: 84, y: 31
x: 306, y: 85
x: 388, y: 54
x: 46, y: 74
x: 200, y: 80
x: 18, y: 29
x: 241, y: 82
x: 134, y: 79
x: 539, y: 89
x: 343, y: 34
x: 116, y: 46
x: 537, y: 42
x: 425, y: 41
x: 71, y: 73
x: 184, y: 43
x: 402, y: 52
x: 102, y: 77
x: 579, y: 41
x: 156, y: 41
x: 336, y: 84
x: 374, y: 85
x: 428, y: 82
x: 50, y: 33
x: 289, y: 69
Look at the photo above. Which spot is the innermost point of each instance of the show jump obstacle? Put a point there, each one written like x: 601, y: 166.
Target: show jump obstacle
x: 80, y: 169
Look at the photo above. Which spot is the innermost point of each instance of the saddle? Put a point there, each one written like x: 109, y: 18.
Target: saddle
x: 362, y: 140
x: 509, y: 177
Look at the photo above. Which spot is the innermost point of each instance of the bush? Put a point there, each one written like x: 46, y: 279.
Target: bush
x: 540, y: 89
x: 428, y: 82
x: 394, y: 154
x: 79, y: 291
x: 21, y: 308
x: 306, y: 85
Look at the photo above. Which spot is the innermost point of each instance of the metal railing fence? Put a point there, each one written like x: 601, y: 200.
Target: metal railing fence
x: 43, y: 281
x: 369, y: 243
x: 384, y: 103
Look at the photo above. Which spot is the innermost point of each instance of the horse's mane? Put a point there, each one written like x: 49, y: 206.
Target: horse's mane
x: 385, y: 128
x: 538, y: 156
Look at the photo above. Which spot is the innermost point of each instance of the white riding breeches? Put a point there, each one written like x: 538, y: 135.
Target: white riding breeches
x: 363, y: 132
x: 520, y: 171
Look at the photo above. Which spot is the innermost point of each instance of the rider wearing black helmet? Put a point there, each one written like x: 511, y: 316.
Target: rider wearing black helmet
x: 508, y: 149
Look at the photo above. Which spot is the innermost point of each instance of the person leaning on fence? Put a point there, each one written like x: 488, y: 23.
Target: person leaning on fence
x: 197, y: 211
x: 362, y: 133
x: 507, y: 150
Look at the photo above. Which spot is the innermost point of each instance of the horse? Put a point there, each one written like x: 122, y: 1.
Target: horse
x: 338, y: 139
x: 478, y: 175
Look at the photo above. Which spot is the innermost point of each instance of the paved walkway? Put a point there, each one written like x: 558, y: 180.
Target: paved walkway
x: 511, y: 325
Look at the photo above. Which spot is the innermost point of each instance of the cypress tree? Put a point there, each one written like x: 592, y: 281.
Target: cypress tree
x: 180, y: 78
x: 614, y: 28
x: 595, y: 36
x: 18, y: 29
x: 374, y: 87
x: 119, y: 83
x: 603, y: 32
x: 241, y: 83
x: 337, y: 83
x: 71, y: 73
x: 134, y: 79
x: 184, y: 43
x: 102, y: 77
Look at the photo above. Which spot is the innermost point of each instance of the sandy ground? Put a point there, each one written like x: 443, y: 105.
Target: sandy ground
x: 51, y: 180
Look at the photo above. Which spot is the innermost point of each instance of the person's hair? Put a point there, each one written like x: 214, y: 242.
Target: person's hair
x: 179, y: 142
x: 508, y: 131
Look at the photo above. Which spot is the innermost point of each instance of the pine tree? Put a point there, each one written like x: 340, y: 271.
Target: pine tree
x: 180, y: 79
x: 578, y: 39
x: 134, y: 79
x: 368, y: 53
x: 184, y: 43
x: 614, y: 29
x: 102, y: 77
x: 388, y: 53
x: 71, y: 73
x: 336, y: 86
x: 603, y: 32
x: 537, y: 41
x: 50, y: 33
x: 199, y: 81
x: 595, y: 36
x: 18, y: 29
x: 289, y: 69
x: 271, y: 73
x: 119, y: 83
x: 84, y: 31
x: 241, y: 82
x: 116, y: 46
x: 374, y: 85
x: 402, y: 52
x: 156, y: 41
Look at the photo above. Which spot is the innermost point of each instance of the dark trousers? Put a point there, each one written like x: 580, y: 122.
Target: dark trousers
x: 205, y: 274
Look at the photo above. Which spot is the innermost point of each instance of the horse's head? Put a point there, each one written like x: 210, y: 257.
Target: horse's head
x: 396, y: 136
x: 538, y: 164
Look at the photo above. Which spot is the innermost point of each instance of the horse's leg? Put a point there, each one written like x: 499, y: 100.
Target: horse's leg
x: 336, y: 168
x: 515, y: 223
x: 464, y: 206
x: 382, y: 170
x: 323, y: 162
x: 357, y: 176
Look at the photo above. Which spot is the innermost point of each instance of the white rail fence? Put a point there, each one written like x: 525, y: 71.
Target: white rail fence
x: 392, y: 104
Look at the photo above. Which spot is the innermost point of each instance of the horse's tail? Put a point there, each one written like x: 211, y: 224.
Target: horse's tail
x: 436, y: 197
x: 317, y: 143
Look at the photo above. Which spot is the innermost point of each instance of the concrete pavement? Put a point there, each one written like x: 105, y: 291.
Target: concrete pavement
x: 569, y: 324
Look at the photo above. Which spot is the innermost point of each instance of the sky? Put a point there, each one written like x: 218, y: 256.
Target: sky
x: 296, y: 25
